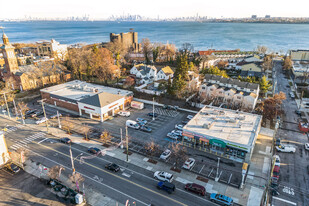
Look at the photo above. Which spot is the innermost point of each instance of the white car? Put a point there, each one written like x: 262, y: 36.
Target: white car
x: 177, y: 132
x: 43, y: 119
x: 179, y: 126
x: 189, y: 164
x: 307, y: 146
x: 163, y: 176
x: 190, y: 117
x: 277, y: 160
x: 286, y: 148
x: 172, y: 136
x: 165, y: 154
x: 124, y: 113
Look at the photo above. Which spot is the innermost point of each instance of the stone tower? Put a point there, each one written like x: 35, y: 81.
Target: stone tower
x: 10, y: 59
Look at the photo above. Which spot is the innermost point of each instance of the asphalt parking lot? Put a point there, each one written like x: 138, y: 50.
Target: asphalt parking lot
x: 161, y: 125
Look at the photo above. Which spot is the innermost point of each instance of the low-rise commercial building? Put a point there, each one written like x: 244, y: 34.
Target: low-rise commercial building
x: 89, y: 99
x: 223, y: 131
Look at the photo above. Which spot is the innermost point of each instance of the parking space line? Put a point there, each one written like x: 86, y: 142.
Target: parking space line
x: 42, y: 141
x: 283, y: 200
x: 201, y: 169
x: 210, y: 172
x: 230, y: 178
x: 220, y: 174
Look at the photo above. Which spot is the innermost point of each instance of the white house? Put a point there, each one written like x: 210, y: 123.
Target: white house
x: 145, y: 73
x: 231, y: 91
x: 165, y: 73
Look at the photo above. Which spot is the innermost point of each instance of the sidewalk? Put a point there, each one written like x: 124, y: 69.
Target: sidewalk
x: 250, y: 195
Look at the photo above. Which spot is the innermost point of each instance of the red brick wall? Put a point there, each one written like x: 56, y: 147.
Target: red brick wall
x: 59, y: 103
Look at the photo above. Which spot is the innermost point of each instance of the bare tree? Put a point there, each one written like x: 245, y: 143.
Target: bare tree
x: 105, y: 137
x: 118, y: 50
x: 21, y: 106
x: 76, y: 178
x: 147, y: 49
x: 67, y: 124
x: 151, y: 148
x: 261, y: 49
x: 178, y: 153
x: 268, y: 63
x: 85, y: 130
x: 55, y: 172
x: 287, y: 64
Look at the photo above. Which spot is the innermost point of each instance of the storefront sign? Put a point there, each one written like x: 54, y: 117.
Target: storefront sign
x: 236, y: 146
x: 217, y: 143
x: 89, y: 108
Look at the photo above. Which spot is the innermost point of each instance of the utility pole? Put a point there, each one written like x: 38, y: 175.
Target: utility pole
x: 42, y: 102
x: 127, y: 143
x: 72, y: 161
x: 15, y: 108
x: 59, y: 124
x: 7, y: 107
x: 153, y: 115
x: 121, y: 146
x: 217, y: 175
x: 22, y: 116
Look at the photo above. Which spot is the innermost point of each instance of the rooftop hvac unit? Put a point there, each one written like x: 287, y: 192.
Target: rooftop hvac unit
x: 232, y: 120
x: 242, y: 117
x: 94, y: 90
x: 85, y: 88
x: 208, y: 126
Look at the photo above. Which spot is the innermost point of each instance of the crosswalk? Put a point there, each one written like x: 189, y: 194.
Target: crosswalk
x: 23, y: 143
x: 166, y: 112
x: 13, y: 128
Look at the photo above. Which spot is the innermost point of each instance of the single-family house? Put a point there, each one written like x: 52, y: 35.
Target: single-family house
x: 251, y: 70
x: 145, y: 73
x: 165, y: 73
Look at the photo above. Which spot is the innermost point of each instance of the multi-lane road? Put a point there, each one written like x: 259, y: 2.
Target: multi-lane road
x: 133, y: 183
x: 294, y: 177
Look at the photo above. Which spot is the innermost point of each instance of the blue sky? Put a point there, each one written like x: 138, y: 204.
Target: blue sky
x: 163, y: 8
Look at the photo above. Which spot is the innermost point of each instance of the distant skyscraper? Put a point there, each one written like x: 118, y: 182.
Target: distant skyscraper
x: 267, y: 16
x: 253, y: 16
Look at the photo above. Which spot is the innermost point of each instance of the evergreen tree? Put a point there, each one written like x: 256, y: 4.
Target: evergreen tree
x: 169, y: 89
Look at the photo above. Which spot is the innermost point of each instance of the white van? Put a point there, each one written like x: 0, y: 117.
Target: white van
x: 124, y: 113
x: 132, y: 124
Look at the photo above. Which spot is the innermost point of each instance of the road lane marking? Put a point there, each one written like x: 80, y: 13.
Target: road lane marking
x: 283, y: 200
x: 124, y: 179
x: 42, y: 140
x: 126, y: 174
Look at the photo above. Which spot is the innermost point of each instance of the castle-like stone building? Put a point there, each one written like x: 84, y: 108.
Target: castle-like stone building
x: 129, y: 40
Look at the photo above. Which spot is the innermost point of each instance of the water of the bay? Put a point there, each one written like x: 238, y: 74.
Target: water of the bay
x: 244, y: 36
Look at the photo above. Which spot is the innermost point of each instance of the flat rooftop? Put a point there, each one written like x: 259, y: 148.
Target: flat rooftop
x: 224, y: 124
x: 77, y: 90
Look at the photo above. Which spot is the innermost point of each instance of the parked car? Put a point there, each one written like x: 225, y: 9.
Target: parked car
x: 276, y: 172
x: 55, y: 116
x: 94, y: 150
x: 166, y: 106
x: 30, y: 112
x: 112, y: 166
x: 297, y: 112
x: 36, y: 113
x: 276, y: 160
x: 190, y: 117
x: 179, y: 126
x: 132, y: 124
x: 165, y: 154
x: 13, y: 168
x: 151, y: 114
x: 278, y: 142
x: 221, y: 199
x: 292, y: 95
x: 145, y: 129
x: 177, y: 132
x: 196, y: 188
x: 307, y: 146
x: 185, y: 121
x: 163, y: 176
x: 124, y: 113
x: 41, y: 120
x: 189, y: 163
x: 65, y: 140
x: 172, y: 136
x: 286, y: 148
x: 167, y: 186
x: 141, y: 120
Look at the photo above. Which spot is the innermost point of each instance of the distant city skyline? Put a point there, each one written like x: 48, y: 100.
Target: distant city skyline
x: 162, y: 9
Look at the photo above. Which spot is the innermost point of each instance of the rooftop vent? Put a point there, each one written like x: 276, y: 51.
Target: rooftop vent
x: 232, y: 120
x: 242, y: 117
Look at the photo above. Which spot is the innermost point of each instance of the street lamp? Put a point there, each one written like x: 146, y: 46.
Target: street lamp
x: 217, y: 175
x: 153, y: 115
x: 42, y: 101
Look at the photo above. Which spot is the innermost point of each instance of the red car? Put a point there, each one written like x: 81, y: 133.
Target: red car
x: 276, y: 172
x: 198, y: 189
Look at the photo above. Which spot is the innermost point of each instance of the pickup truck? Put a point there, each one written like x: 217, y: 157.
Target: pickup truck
x: 286, y: 148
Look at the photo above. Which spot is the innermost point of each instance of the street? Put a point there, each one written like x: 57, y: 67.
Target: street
x: 293, y: 182
x: 136, y: 184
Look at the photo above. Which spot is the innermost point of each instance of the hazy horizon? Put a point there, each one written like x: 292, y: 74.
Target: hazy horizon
x: 96, y: 9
